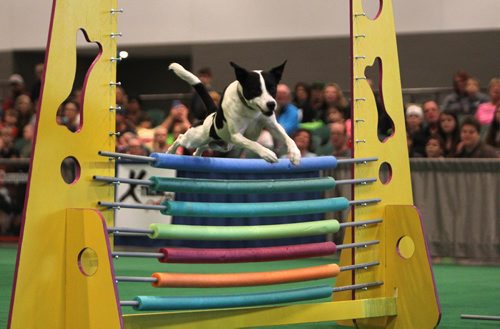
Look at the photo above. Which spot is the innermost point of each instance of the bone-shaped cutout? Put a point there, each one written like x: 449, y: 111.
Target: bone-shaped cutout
x: 385, y: 124
x: 372, y: 8
x: 70, y: 112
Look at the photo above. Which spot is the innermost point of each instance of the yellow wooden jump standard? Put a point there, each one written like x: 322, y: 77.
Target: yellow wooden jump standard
x: 64, y: 274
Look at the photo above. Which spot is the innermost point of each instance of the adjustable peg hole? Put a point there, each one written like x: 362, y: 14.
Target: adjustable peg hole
x: 88, y: 261
x: 385, y: 173
x: 405, y: 247
x: 70, y: 170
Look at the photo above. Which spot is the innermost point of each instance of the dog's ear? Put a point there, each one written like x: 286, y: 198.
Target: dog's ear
x: 277, y: 71
x: 241, y: 73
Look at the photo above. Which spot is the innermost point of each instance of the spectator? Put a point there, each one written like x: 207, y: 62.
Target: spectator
x: 339, y: 139
x: 301, y: 99
x: 35, y: 89
x: 24, y: 145
x: 449, y: 131
x: 462, y: 100
x: 178, y: 115
x: 134, y: 112
x: 121, y: 98
x: 334, y: 114
x: 70, y: 115
x: 486, y: 111
x: 431, y: 117
x: 333, y: 95
x: 434, y: 147
x: 414, y: 128
x: 17, y: 87
x: 135, y: 147
x: 160, y: 140
x: 287, y: 114
x: 316, y: 100
x: 303, y: 140
x: 411, y: 151
x: 6, y: 144
x: 10, y: 119
x: 198, y: 110
x: 471, y: 145
x: 123, y: 141
x: 474, y: 95
x: 493, y: 133
x: 6, y: 207
x: 337, y: 143
x: 24, y: 106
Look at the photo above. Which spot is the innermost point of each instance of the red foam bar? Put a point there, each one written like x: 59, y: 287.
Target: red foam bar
x: 243, y: 255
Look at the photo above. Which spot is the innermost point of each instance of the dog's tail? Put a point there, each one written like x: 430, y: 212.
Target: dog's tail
x: 195, y: 82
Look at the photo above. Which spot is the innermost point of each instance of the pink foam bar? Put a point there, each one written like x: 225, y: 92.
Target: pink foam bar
x: 243, y: 255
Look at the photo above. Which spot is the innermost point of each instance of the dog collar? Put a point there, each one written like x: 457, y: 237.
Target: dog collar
x: 242, y: 99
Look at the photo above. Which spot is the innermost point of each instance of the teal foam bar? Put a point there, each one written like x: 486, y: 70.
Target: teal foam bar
x: 284, y: 208
x: 174, y: 184
x: 165, y: 303
x: 232, y: 233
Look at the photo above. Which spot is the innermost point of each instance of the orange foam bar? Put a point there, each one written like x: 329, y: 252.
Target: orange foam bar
x: 189, y: 280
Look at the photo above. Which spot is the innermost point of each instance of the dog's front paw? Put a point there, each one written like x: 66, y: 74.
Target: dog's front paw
x: 294, y: 156
x: 268, y: 155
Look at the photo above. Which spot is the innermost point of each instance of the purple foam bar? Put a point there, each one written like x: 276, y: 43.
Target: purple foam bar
x: 243, y: 255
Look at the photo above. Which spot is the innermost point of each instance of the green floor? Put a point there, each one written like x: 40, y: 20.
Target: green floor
x: 462, y: 289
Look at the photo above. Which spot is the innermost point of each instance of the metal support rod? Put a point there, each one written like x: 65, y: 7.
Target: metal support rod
x: 151, y: 159
x: 141, y: 158
x: 129, y: 230
x: 358, y: 266
x: 118, y: 254
x: 355, y: 181
x: 153, y: 279
x: 479, y: 317
x: 358, y: 286
x: 335, y: 289
x: 361, y: 223
x: 119, y: 205
x: 356, y: 160
x: 363, y: 202
x: 357, y: 244
x: 147, y: 182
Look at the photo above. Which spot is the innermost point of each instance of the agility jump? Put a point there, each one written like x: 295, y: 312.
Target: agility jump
x: 64, y: 273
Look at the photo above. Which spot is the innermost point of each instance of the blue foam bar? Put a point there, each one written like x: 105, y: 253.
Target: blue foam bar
x: 165, y: 303
x: 232, y: 165
x: 283, y: 208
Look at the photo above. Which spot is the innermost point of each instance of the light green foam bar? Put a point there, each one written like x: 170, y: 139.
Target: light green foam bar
x: 175, y: 184
x: 257, y: 209
x: 258, y: 232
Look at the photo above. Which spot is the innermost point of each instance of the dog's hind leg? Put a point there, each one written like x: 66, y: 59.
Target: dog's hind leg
x: 173, y: 148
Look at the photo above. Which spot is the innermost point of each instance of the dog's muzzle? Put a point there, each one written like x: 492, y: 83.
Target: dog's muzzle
x: 271, y: 106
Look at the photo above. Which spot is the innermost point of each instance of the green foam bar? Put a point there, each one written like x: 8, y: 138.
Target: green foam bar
x: 284, y: 208
x: 257, y: 232
x: 165, y: 303
x: 174, y: 184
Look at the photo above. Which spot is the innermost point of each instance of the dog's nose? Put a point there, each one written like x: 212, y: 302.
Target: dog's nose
x: 271, y: 105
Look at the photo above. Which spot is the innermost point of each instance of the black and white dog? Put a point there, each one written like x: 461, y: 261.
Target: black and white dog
x: 247, y: 107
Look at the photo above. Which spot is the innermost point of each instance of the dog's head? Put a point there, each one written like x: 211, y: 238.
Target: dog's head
x: 258, y: 88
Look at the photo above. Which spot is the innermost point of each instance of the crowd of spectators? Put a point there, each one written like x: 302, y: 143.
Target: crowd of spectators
x: 465, y: 124
x: 318, y: 116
